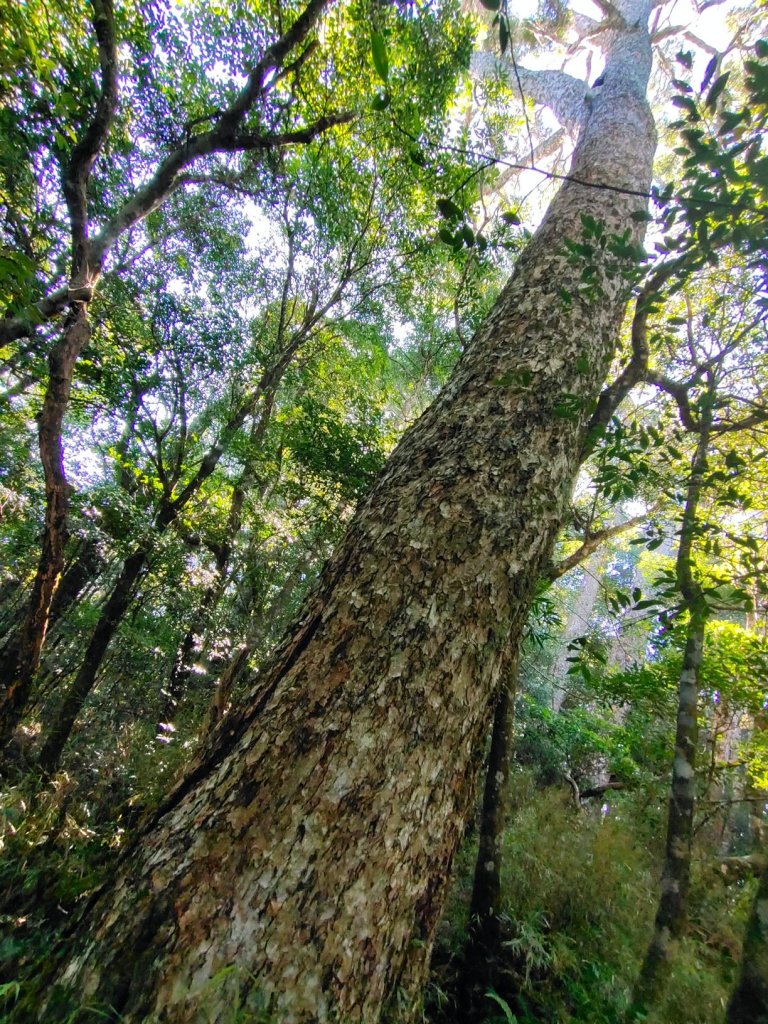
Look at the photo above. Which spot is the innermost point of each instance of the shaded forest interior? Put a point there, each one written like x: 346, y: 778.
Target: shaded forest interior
x: 384, y: 512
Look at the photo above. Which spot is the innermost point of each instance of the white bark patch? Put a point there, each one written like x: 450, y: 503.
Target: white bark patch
x: 683, y: 769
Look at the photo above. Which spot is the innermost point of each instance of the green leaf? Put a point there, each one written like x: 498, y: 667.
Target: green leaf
x: 381, y: 101
x: 379, y: 54
x: 685, y: 103
x: 503, y: 35
x: 417, y: 156
x: 509, y: 1017
x: 446, y: 236
x: 717, y: 88
x: 448, y: 209
x: 510, y: 217
x: 711, y: 69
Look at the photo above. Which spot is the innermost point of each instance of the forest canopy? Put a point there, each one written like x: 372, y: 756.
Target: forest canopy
x: 383, y: 403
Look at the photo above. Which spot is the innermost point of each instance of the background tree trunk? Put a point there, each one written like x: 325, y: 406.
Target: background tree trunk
x: 749, y: 1001
x: 675, y: 880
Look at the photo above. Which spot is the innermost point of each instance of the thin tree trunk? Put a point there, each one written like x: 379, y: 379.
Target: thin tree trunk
x: 83, y: 567
x: 675, y: 880
x: 259, y: 629
x: 749, y: 1000
x: 483, y: 947
x: 305, y: 856
x: 181, y: 669
x: 119, y: 600
x: 110, y: 618
x: 485, y: 904
x: 61, y: 361
x: 86, y: 564
x: 577, y: 625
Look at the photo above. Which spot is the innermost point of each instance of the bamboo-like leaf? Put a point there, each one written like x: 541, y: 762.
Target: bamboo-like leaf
x: 717, y: 88
x: 379, y: 54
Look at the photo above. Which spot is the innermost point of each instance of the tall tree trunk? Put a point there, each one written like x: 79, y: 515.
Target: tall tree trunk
x: 181, y: 669
x: 749, y: 1000
x: 110, y: 618
x: 61, y: 362
x: 675, y: 880
x: 76, y: 332
x: 485, y: 903
x: 308, y: 849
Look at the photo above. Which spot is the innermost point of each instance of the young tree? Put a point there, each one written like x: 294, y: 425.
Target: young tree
x: 309, y: 847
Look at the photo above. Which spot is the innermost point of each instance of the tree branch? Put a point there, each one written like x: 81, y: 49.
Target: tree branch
x: 562, y: 93
x: 636, y: 369
x: 680, y: 394
x: 84, y: 154
x: 589, y: 545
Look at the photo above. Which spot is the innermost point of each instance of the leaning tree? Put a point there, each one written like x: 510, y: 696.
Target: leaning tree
x: 303, y: 860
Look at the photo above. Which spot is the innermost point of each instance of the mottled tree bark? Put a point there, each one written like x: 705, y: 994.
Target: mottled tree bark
x: 309, y: 848
x: 749, y: 1000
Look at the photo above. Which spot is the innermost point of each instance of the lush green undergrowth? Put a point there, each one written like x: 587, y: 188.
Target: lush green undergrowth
x: 580, y: 891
